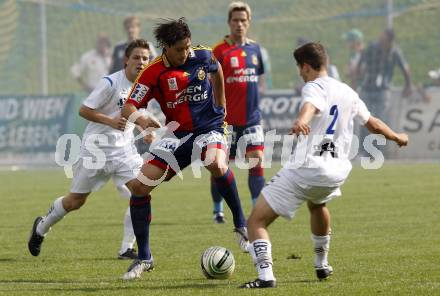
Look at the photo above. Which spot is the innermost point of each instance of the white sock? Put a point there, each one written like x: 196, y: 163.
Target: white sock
x: 321, y: 246
x: 55, y: 214
x: 129, y: 237
x: 261, y: 251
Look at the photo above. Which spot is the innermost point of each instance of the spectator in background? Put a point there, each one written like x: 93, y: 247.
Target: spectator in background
x: 132, y: 26
x: 435, y: 82
x: 355, y: 43
x: 435, y: 76
x: 376, y: 68
x: 94, y: 64
x: 332, y: 70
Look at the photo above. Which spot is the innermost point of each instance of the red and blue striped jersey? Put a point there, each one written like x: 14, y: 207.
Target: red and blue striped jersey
x: 184, y: 93
x: 241, y: 64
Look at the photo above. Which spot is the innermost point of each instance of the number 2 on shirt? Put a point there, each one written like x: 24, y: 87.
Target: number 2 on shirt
x: 333, y: 111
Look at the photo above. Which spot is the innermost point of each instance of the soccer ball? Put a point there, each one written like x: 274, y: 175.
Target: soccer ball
x: 217, y: 263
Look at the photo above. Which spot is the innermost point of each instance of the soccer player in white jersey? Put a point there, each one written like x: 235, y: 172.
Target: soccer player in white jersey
x: 107, y: 149
x: 319, y: 165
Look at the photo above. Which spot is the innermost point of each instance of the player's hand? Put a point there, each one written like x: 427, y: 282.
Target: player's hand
x: 151, y: 122
x: 119, y: 123
x: 148, y: 139
x: 300, y: 128
x: 402, y: 139
x: 407, y: 91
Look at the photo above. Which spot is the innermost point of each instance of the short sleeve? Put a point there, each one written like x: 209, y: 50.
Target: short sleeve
x: 361, y: 113
x: 101, y: 94
x: 313, y: 93
x: 212, y: 63
x: 141, y: 91
x: 75, y: 70
x: 399, y: 58
x: 263, y: 60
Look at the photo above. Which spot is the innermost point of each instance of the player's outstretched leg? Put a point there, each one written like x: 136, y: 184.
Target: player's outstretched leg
x: 137, y: 268
x: 261, y: 251
x: 261, y: 248
x: 321, y: 246
x: 140, y: 209
x: 320, y: 225
x: 255, y: 182
x: 217, y: 200
x: 42, y: 225
x: 227, y: 187
x: 127, y: 251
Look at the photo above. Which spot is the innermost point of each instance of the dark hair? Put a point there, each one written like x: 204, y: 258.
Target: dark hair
x: 142, y: 43
x: 312, y: 54
x: 389, y: 33
x: 171, y: 31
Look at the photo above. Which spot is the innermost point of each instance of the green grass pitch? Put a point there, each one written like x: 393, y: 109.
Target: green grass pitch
x: 386, y: 239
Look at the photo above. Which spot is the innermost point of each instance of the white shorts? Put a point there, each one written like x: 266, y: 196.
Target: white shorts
x: 121, y: 170
x: 285, y: 196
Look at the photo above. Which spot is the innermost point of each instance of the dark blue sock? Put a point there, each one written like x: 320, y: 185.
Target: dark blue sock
x: 228, y: 189
x: 256, y: 182
x: 140, y: 210
x: 216, y: 197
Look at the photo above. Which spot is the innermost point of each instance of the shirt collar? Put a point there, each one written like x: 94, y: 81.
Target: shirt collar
x: 168, y: 64
x: 229, y: 41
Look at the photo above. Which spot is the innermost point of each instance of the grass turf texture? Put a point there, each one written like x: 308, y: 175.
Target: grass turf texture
x: 385, y: 239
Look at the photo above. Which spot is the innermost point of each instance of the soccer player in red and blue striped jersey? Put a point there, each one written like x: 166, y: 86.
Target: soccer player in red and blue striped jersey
x: 188, y: 84
x: 242, y: 66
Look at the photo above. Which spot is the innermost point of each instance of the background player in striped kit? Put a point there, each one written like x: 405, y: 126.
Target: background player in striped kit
x: 242, y: 65
x: 187, y: 82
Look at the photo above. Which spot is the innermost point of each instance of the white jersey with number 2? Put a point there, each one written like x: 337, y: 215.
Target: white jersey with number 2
x: 331, y: 128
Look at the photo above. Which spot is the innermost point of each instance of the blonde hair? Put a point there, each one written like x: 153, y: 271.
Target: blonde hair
x: 239, y: 6
x: 131, y: 20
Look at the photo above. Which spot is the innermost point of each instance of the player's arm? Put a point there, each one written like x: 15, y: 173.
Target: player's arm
x: 100, y: 96
x: 218, y: 86
x: 312, y: 103
x: 377, y: 126
x: 261, y: 84
x: 131, y: 113
x: 404, y: 67
x: 95, y: 116
x: 301, y: 124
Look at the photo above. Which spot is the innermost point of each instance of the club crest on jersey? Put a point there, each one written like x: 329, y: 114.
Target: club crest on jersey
x: 201, y: 74
x: 254, y: 60
x: 139, y: 92
x: 172, y: 83
x: 234, y: 62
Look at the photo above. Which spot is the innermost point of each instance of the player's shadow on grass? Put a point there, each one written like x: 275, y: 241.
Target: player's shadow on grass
x: 7, y: 260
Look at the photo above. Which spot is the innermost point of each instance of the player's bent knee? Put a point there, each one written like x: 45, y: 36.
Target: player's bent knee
x: 137, y: 188
x: 312, y: 206
x: 74, y: 201
x: 217, y: 168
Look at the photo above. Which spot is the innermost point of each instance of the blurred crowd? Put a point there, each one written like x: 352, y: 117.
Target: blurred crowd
x: 369, y: 68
